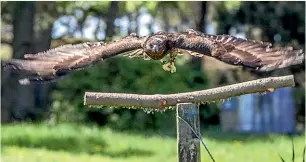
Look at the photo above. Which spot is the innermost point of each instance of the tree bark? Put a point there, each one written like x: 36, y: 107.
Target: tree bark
x: 162, y: 101
x: 17, y: 100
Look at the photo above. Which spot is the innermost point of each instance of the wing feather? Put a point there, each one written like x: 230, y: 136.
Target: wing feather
x: 257, y: 55
x: 261, y: 55
x: 55, y: 63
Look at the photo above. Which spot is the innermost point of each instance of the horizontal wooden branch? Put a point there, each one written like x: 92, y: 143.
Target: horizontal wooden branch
x: 161, y: 101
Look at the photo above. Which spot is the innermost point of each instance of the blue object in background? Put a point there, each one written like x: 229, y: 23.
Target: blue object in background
x: 230, y: 104
x: 264, y: 113
x: 246, y: 112
x: 284, y: 110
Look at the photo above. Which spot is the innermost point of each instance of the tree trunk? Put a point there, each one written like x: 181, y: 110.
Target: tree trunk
x: 200, y: 26
x: 166, y: 19
x: 112, y: 14
x: 17, y: 100
x: 42, y: 43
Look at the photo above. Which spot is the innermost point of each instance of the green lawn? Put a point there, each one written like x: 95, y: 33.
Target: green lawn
x: 80, y: 143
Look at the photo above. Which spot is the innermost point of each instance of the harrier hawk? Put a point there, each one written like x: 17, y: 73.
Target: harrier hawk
x: 60, y: 61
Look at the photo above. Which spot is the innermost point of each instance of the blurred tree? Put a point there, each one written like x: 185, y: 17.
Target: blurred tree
x: 200, y: 26
x: 111, y: 16
x: 18, y: 101
x: 40, y: 39
x: 46, y: 14
x: 281, y: 23
x: 32, y: 25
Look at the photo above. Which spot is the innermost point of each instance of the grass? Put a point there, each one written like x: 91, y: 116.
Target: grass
x: 78, y: 143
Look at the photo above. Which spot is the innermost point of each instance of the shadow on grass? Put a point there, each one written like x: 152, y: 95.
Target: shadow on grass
x: 214, y: 133
x: 88, y: 145
x: 217, y: 134
x: 128, y: 152
x: 55, y: 143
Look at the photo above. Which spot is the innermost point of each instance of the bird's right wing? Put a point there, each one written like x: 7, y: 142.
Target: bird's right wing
x: 60, y: 61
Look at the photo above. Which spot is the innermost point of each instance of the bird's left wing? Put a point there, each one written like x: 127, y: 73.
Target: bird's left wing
x: 60, y: 61
x: 256, y: 55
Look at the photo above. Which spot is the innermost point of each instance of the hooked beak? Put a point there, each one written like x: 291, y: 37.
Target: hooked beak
x: 155, y: 48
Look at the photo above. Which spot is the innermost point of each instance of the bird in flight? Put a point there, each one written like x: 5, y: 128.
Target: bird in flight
x: 58, y: 62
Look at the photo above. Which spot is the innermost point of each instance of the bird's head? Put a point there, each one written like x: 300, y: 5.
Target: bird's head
x: 156, y: 47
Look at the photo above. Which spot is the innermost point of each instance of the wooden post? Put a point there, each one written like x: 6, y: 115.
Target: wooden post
x: 188, y: 145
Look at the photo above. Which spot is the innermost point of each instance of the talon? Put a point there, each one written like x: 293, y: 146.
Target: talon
x: 163, y: 62
x: 167, y: 67
x: 172, y: 68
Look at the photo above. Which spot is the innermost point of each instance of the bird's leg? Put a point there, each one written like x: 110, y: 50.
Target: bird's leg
x: 169, y: 66
x: 173, y: 55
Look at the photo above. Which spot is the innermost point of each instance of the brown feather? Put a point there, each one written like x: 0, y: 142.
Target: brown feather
x: 58, y: 62
x: 249, y: 53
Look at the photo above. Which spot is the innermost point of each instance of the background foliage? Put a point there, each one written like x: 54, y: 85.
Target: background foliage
x: 50, y: 123
x: 126, y: 76
x: 56, y: 23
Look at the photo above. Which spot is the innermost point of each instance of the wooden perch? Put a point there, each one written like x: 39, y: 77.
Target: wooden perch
x: 161, y: 101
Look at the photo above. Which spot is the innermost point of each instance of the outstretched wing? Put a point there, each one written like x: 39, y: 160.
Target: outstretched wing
x: 237, y: 51
x: 58, y: 62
